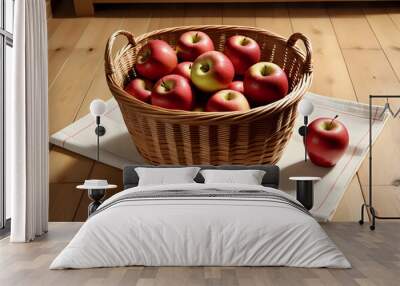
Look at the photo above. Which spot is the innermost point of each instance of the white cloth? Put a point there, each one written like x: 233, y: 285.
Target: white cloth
x: 194, y: 231
x: 117, y: 149
x: 27, y: 124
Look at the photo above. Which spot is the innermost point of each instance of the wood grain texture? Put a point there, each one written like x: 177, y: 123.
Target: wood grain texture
x: 198, y: 14
x: 375, y: 258
x: 369, y: 49
x: 66, y: 95
x: 328, y: 57
x: 86, y: 7
x: 68, y: 167
x: 59, y: 49
x: 64, y: 198
x: 364, y: 59
x: 275, y: 19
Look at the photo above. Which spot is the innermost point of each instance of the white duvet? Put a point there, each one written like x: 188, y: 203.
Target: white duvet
x: 200, y: 231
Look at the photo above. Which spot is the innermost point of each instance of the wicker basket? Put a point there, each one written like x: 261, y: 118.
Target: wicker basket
x: 257, y: 136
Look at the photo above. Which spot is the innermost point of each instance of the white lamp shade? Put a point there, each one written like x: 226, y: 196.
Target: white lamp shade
x: 306, y: 107
x: 97, y: 107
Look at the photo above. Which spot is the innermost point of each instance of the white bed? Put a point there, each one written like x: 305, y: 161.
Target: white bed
x: 248, y: 226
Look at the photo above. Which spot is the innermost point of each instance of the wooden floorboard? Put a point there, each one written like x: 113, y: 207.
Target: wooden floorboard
x: 375, y: 259
x: 202, y: 15
x: 327, y: 57
x: 60, y: 50
x: 274, y: 19
x: 356, y: 52
x: 371, y: 58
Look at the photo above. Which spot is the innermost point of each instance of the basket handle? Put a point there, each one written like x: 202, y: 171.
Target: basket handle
x: 292, y: 41
x: 108, y: 58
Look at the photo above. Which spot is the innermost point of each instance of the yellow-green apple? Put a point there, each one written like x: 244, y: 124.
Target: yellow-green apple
x: 140, y: 89
x: 212, y: 71
x: 236, y: 85
x: 192, y: 44
x: 227, y: 100
x: 327, y: 140
x: 156, y: 59
x: 264, y: 83
x: 172, y: 92
x: 183, y: 69
x: 243, y: 52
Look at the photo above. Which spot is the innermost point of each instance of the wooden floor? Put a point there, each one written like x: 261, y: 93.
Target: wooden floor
x: 375, y: 258
x: 356, y: 53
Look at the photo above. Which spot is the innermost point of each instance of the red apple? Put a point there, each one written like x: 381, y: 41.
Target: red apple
x: 192, y: 44
x: 212, y: 71
x: 243, y: 52
x: 227, y: 100
x: 172, y: 92
x: 156, y: 59
x: 327, y: 139
x: 183, y: 69
x: 236, y: 85
x: 264, y: 83
x: 140, y: 88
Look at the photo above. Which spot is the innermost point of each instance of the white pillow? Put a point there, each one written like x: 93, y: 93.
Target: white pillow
x: 165, y: 176
x: 247, y: 177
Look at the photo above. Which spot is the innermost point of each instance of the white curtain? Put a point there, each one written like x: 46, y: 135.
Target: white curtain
x: 27, y: 124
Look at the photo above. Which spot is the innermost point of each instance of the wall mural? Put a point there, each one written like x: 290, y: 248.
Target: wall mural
x: 213, y: 95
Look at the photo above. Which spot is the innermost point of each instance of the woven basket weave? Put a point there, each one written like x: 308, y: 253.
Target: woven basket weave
x: 257, y: 136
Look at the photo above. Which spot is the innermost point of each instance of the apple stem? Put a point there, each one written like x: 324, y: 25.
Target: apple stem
x: 244, y: 41
x: 205, y: 68
x: 330, y: 125
x: 164, y: 85
x: 144, y: 56
x: 264, y: 70
x: 196, y: 38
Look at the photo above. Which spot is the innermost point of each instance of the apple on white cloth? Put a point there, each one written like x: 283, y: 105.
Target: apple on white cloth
x: 327, y: 140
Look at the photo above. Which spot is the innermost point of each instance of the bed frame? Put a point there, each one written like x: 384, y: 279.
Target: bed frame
x: 271, y: 177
